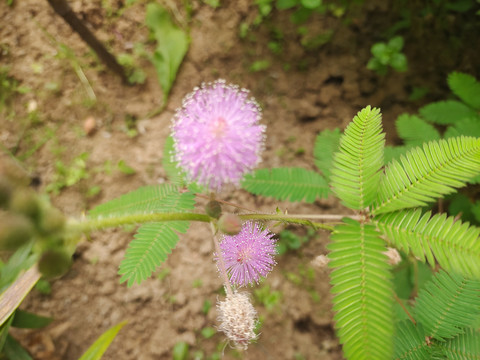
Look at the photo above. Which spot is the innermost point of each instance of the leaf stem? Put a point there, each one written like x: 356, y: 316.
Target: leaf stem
x: 399, y: 301
x: 87, y: 225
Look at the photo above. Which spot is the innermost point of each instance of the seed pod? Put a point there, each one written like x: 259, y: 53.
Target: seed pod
x: 25, y: 201
x: 213, y: 209
x: 54, y: 263
x: 230, y: 224
x: 52, y: 221
x: 15, y: 231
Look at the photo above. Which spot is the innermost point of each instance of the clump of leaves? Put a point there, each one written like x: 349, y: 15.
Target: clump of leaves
x: 268, y: 297
x: 386, y: 55
x: 68, y: 175
x: 458, y: 116
x: 289, y: 241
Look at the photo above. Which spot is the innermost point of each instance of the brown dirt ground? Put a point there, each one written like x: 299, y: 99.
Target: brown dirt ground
x: 321, y: 89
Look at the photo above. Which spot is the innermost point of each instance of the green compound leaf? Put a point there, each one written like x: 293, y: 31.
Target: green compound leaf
x: 149, y: 249
x: 144, y: 200
x: 467, y: 127
x: 464, y: 346
x: 172, y: 45
x: 447, y: 304
x: 446, y: 112
x: 362, y: 286
x: 293, y: 184
x: 414, y: 131
x: 466, y: 87
x: 356, y: 167
x: 98, y: 348
x: 423, y: 175
x: 326, y: 144
x: 451, y: 243
x: 410, y: 342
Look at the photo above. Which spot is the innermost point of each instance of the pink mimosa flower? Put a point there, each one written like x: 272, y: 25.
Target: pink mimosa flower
x: 217, y: 135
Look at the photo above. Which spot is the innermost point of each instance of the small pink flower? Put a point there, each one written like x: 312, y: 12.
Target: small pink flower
x: 217, y: 135
x: 249, y: 254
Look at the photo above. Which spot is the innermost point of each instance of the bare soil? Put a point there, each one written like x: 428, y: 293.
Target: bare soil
x: 301, y: 93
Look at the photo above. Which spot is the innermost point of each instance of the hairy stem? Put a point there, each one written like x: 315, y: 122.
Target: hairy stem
x: 221, y: 262
x: 87, y: 225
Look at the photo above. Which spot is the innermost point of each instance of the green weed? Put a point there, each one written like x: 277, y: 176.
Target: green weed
x: 386, y: 55
x: 268, y: 297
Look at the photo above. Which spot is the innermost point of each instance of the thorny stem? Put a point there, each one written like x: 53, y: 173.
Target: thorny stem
x: 221, y: 262
x: 88, y: 225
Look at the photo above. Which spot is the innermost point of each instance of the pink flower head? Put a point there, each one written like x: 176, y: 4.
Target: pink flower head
x: 217, y: 135
x: 249, y: 254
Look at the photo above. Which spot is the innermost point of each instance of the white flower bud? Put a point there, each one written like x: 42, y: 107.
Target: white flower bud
x: 237, y: 318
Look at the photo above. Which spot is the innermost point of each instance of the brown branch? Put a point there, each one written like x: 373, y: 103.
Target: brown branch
x: 62, y: 8
x: 398, y: 300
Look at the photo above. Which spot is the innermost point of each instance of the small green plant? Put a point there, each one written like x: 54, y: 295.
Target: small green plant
x: 386, y: 55
x: 457, y: 116
x: 171, y: 45
x: 387, y: 209
x: 289, y: 241
x: 180, y: 351
x: 70, y: 175
x: 268, y: 297
x: 135, y: 74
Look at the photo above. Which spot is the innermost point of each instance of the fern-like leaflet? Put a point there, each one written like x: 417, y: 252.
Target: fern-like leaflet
x: 451, y: 243
x: 356, y: 167
x: 150, y: 247
x: 464, y: 346
x: 363, y: 291
x: 153, y: 241
x: 414, y: 131
x: 410, y: 342
x: 448, y: 303
x: 466, y: 87
x: 446, y: 112
x: 294, y: 184
x: 423, y: 175
x: 144, y: 200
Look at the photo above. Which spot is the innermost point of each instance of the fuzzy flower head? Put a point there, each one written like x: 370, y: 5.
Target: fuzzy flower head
x: 248, y: 255
x: 217, y: 135
x: 237, y: 318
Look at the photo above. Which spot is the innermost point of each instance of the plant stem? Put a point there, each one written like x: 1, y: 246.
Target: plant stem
x: 287, y: 218
x: 221, y: 263
x: 88, y: 225
x: 397, y: 299
x: 62, y: 8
